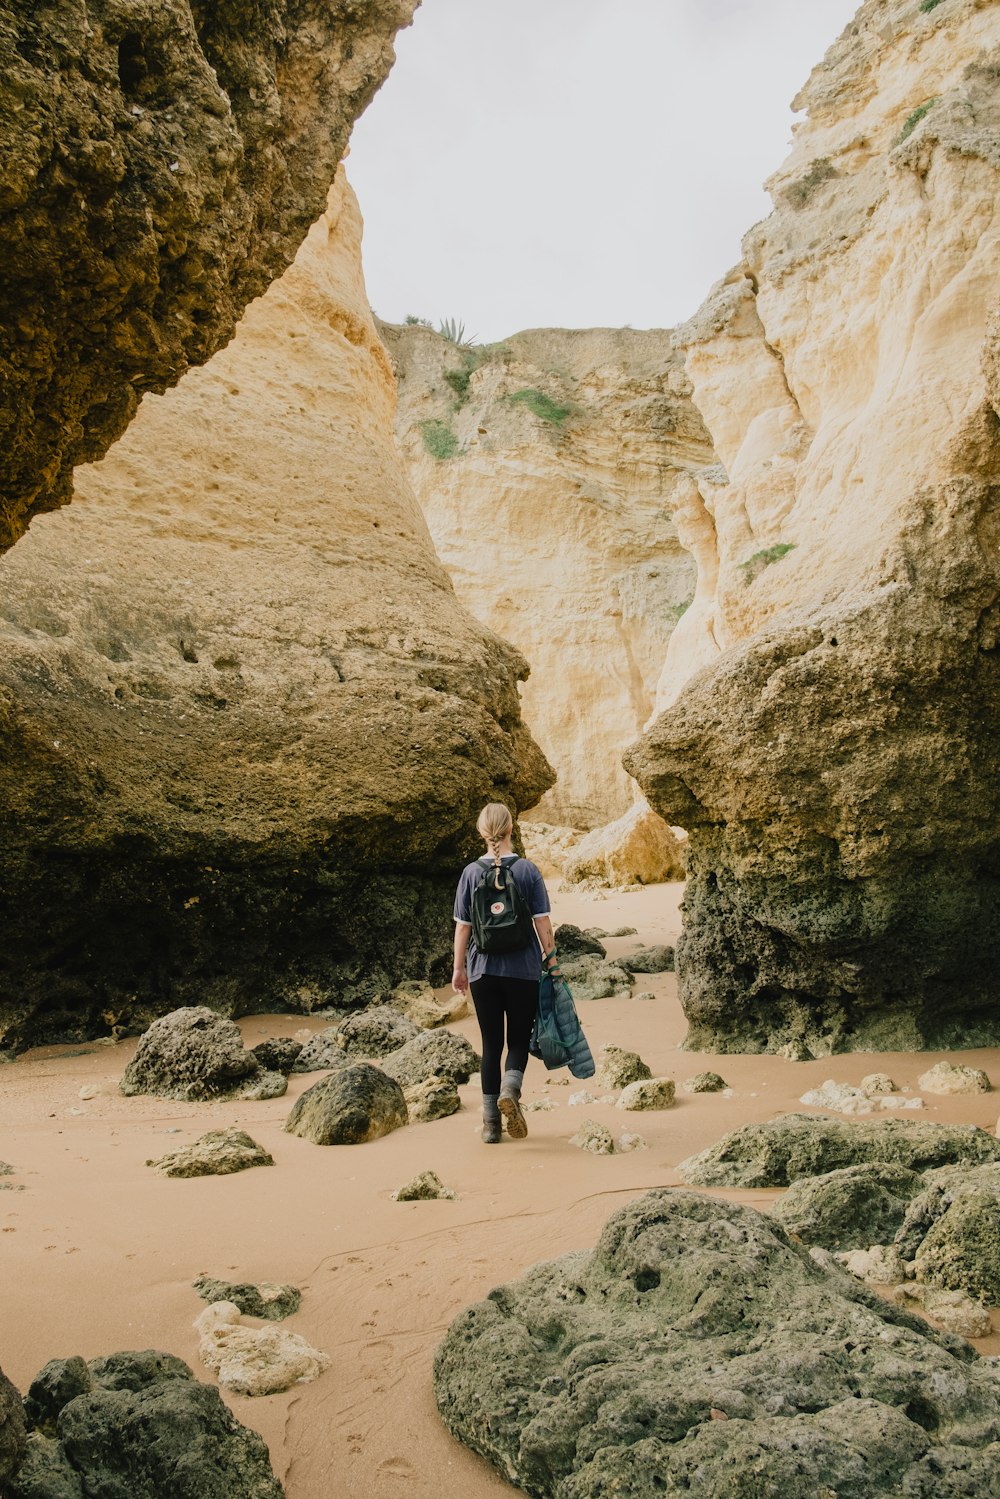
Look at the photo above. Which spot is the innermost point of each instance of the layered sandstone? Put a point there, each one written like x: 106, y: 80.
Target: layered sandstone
x: 159, y: 165
x: 245, y: 723
x: 554, y: 472
x: 837, y: 765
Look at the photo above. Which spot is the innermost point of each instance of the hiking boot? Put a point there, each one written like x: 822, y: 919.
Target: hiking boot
x: 509, y: 1104
x: 491, y: 1131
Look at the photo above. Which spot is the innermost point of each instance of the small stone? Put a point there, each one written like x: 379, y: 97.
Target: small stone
x: 90, y: 1090
x: 539, y: 1106
x: 655, y: 1093
x: 619, y: 931
x: 254, y: 1360
x: 265, y: 1085
x: 627, y: 1142
x: 427, y: 1187
x: 842, y: 1098
x: 265, y: 1299
x: 796, y: 1051
x: 877, y: 1083
x: 591, y: 977
x: 596, y: 1138
x: 360, y: 1103
x: 218, y: 1153
x: 656, y: 959
x: 6, y: 1169
x: 901, y: 1103
x: 953, y: 1311
x: 582, y: 1096
x: 644, y: 995
x: 617, y: 1068
x: 705, y: 1082
x: 434, y: 1098
x: 570, y: 939
x: 881, y: 1264
x: 948, y: 1078
x: 279, y: 1054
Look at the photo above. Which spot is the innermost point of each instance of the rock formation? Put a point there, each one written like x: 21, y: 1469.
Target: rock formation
x: 351, y: 1107
x: 550, y: 468
x: 220, y: 1152
x: 137, y: 1424
x: 267, y: 1299
x: 838, y: 765
x: 254, y: 1360
x: 697, y: 1350
x: 159, y: 165
x: 245, y: 726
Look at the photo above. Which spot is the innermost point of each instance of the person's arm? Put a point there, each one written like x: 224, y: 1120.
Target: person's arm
x: 543, y: 927
x: 459, y: 977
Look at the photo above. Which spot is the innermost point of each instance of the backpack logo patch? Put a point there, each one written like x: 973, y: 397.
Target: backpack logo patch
x: 497, y: 908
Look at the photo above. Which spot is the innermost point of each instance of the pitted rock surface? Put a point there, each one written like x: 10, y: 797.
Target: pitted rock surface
x: 349, y: 1107
x: 376, y: 1032
x: 191, y: 1054
x: 849, y: 1209
x: 266, y: 1299
x: 778, y: 1152
x: 220, y: 1152
x: 278, y: 1054
x: 438, y: 1053
x: 697, y: 1350
x: 160, y: 166
x: 951, y: 1232
x: 13, y: 1433
x: 142, y: 1427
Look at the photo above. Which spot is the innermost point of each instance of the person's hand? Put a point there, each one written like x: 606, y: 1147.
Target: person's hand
x: 460, y: 981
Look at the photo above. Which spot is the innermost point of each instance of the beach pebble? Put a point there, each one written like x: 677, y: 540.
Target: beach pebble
x: 654, y: 1093
x: 349, y: 1108
x: 582, y: 1096
x: 619, y: 931
x: 896, y: 1102
x: 876, y: 1083
x: 426, y: 1187
x: 841, y: 1097
x: 90, y: 1090
x: 434, y: 1098
x: 949, y: 1077
x: 218, y: 1153
x: 616, y: 1068
x: 705, y: 1082
x: 539, y: 1106
x: 254, y: 1360
x: 596, y: 1138
x: 265, y: 1085
x: 644, y: 994
x: 627, y: 1142
x: 265, y: 1299
x: 656, y: 959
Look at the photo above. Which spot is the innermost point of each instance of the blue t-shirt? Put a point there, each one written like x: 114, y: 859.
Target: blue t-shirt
x: 525, y: 963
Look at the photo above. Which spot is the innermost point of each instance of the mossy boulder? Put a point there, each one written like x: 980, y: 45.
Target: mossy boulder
x: 849, y: 1209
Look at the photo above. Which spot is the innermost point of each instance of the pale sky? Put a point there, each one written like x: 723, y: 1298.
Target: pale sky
x: 576, y: 163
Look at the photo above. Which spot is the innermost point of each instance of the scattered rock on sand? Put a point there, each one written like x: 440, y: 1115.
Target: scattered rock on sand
x: 619, y: 931
x: 265, y: 1085
x: 437, y: 1053
x: 591, y: 978
x: 266, y: 1299
x: 705, y: 1082
x: 321, y: 1053
x: 781, y: 1150
x: 360, y: 1103
x: 87, y: 1092
x: 191, y: 1054
x: 581, y: 1097
x: 143, y: 1428
x: 570, y: 940
x: 644, y: 995
x: 539, y: 1106
x: 434, y: 1098
x: 880, y: 1264
x: 616, y: 1068
x: 953, y: 1310
x: 375, y: 1032
x: 849, y: 1209
x: 254, y: 1360
x: 698, y: 1351
x: 427, y: 1187
x: 596, y: 1138
x: 6, y: 1169
x: 13, y: 1429
x: 951, y: 1232
x: 877, y: 1083
x: 418, y: 1002
x: 654, y: 1093
x: 950, y: 1077
x: 218, y: 1153
x: 843, y: 1098
x: 278, y: 1054
x: 628, y: 1141
x: 659, y: 959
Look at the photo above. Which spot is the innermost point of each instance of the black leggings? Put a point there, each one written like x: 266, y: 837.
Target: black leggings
x: 498, y: 999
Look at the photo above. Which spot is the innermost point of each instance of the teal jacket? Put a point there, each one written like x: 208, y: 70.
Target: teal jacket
x: 557, y: 1037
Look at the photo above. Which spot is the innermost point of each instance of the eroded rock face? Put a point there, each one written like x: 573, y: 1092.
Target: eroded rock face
x: 254, y: 1360
x: 192, y: 1054
x: 692, y: 1351
x: 575, y: 446
x: 245, y: 727
x: 437, y: 1053
x: 849, y: 1209
x: 837, y: 765
x: 159, y: 166
x: 125, y: 1429
x: 12, y: 1429
x: 350, y: 1107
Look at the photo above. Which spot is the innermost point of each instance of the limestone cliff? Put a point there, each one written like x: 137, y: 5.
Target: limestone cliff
x: 245, y: 725
x: 838, y: 764
x: 550, y: 469
x: 159, y: 165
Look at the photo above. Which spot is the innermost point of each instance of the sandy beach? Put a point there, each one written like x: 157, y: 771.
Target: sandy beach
x: 97, y: 1253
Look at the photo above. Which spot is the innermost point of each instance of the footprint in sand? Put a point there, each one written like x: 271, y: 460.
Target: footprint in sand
x: 397, y: 1467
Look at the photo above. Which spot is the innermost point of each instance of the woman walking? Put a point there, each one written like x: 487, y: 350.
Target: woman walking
x: 503, y: 966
